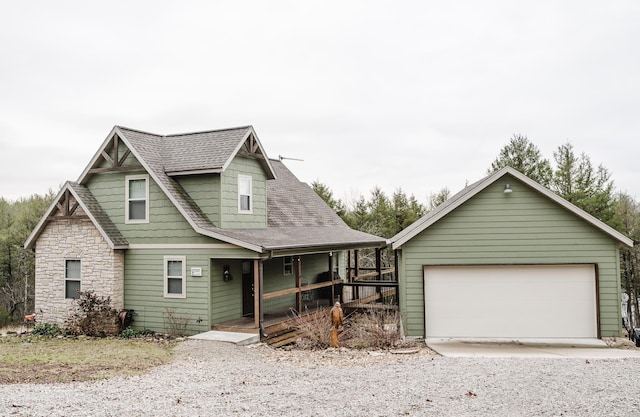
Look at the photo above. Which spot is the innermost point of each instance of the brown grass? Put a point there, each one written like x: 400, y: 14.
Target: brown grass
x: 48, y: 360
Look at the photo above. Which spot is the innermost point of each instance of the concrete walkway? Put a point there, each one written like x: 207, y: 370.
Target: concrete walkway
x: 528, y: 348
x: 240, y: 339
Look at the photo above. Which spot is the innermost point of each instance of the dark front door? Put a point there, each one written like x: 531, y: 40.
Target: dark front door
x: 247, y: 288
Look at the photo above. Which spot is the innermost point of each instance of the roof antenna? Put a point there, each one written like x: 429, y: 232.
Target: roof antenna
x: 280, y: 157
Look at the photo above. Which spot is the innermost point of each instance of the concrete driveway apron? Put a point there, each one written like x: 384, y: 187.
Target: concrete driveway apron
x: 528, y: 348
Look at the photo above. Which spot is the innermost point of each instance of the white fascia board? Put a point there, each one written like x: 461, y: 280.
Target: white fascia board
x: 250, y: 132
x: 38, y: 229
x: 420, y: 225
x: 109, y: 138
x: 571, y: 207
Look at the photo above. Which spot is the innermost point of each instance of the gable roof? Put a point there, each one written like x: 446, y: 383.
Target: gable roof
x: 90, y: 207
x: 468, y: 192
x: 296, y: 216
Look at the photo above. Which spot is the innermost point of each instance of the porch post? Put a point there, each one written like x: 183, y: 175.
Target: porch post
x: 257, y: 293
x: 299, y: 284
x: 356, y: 291
x: 333, y: 294
x: 378, y: 269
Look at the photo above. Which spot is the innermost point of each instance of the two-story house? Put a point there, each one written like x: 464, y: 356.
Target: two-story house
x: 203, y: 226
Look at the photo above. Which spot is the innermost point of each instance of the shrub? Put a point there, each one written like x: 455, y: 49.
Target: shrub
x: 129, y: 333
x: 5, y: 318
x: 46, y: 329
x: 374, y: 329
x: 316, y: 327
x: 368, y: 329
x: 176, y: 323
x: 94, y: 316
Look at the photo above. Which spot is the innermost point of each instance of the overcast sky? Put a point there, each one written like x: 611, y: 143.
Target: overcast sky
x: 414, y: 95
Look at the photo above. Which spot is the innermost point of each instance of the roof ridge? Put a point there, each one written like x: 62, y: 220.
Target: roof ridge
x: 138, y: 131
x: 208, y: 131
x: 185, y: 133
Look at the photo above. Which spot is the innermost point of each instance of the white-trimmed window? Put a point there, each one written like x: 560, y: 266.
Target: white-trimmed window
x: 245, y: 198
x: 72, y: 278
x: 175, y: 277
x: 287, y: 265
x: 137, y: 199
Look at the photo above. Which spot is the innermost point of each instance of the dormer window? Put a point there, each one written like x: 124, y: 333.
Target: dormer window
x: 137, y: 199
x: 245, y: 203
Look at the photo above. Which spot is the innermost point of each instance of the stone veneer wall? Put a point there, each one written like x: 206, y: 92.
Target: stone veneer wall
x: 102, y: 268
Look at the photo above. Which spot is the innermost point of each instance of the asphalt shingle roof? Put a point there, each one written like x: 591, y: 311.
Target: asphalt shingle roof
x: 296, y: 216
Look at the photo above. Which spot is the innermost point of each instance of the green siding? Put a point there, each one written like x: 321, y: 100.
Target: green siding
x: 144, y: 290
x: 226, y: 297
x: 166, y: 224
x: 230, y: 217
x: 205, y: 191
x: 522, y: 227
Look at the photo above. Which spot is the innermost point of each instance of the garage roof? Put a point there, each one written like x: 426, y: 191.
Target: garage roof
x: 468, y: 192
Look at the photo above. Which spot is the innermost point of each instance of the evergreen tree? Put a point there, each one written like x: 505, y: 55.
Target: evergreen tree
x: 577, y: 181
x: 524, y: 156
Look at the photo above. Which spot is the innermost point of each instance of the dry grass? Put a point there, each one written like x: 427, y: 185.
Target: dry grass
x: 30, y: 359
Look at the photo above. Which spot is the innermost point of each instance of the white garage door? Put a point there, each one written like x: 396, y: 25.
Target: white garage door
x: 543, y: 301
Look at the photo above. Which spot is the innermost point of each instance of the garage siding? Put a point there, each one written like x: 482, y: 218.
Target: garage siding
x: 522, y: 227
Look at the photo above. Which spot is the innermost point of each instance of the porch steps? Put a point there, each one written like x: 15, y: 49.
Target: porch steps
x: 288, y: 332
x: 286, y: 338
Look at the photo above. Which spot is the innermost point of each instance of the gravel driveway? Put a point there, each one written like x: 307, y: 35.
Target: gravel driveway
x: 219, y: 379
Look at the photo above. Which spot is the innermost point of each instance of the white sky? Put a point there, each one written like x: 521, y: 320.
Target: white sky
x: 419, y: 95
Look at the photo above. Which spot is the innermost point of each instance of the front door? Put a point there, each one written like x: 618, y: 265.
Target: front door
x: 247, y: 288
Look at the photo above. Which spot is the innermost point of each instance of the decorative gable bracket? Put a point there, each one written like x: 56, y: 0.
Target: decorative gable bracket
x: 115, y: 161
x: 67, y: 206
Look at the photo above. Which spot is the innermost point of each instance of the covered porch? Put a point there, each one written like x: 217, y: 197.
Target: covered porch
x: 313, y: 288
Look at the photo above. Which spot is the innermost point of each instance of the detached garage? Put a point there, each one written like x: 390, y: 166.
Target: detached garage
x: 507, y: 258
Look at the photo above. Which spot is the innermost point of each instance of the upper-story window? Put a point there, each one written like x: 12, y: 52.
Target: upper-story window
x: 137, y: 195
x: 245, y: 203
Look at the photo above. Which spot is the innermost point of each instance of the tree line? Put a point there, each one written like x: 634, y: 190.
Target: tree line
x: 17, y: 265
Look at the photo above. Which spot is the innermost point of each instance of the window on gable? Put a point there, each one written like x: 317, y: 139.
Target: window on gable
x: 245, y: 203
x: 72, y: 277
x: 287, y: 263
x: 175, y: 280
x: 137, y: 204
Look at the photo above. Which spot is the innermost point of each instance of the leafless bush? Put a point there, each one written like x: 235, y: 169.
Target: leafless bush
x: 94, y: 316
x: 176, y: 323
x: 374, y: 329
x: 368, y: 329
x: 316, y: 327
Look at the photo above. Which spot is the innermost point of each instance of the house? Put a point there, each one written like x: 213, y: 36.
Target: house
x: 507, y: 258
x: 198, y: 230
